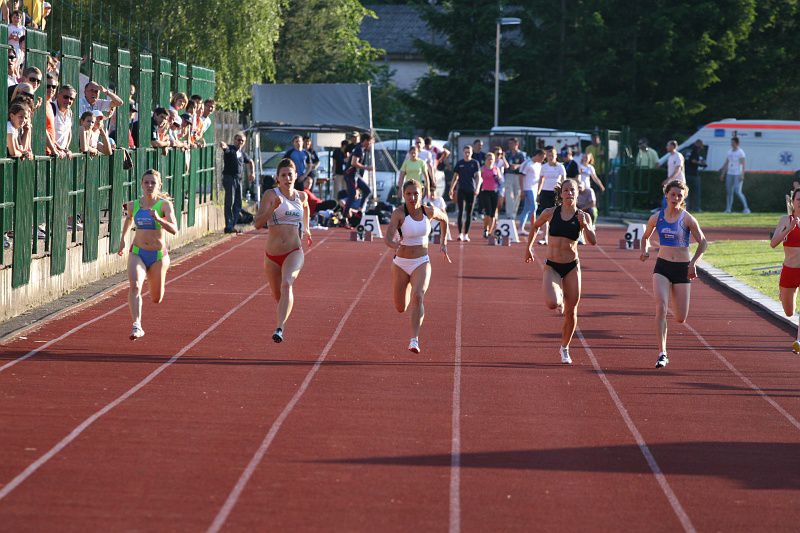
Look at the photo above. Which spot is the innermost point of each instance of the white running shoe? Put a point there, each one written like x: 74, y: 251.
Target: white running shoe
x: 413, y: 345
x: 745, y: 211
x: 663, y: 360
x: 460, y: 237
x: 466, y: 238
x: 523, y: 233
x: 796, y: 346
x: 137, y: 332
x: 565, y: 358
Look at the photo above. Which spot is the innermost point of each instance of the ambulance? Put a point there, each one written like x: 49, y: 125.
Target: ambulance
x: 771, y: 146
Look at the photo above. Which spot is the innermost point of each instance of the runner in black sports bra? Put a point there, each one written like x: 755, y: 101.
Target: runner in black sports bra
x: 561, y: 279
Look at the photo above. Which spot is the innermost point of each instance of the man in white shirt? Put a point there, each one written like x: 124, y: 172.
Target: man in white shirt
x: 531, y: 171
x: 63, y: 118
x: 90, y: 100
x: 732, y: 173
x: 676, y: 169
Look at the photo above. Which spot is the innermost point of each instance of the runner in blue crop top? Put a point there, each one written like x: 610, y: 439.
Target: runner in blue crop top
x: 152, y: 214
x: 674, y: 269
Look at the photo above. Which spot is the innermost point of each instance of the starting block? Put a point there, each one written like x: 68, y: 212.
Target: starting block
x: 633, y: 236
x: 361, y: 235
x: 498, y: 239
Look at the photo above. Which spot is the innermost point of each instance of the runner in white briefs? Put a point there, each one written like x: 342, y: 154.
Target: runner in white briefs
x: 411, y: 271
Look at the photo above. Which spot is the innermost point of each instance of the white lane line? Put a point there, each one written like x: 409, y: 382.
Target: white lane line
x: 735, y: 371
x: 643, y: 447
x: 112, y: 311
x: 125, y: 305
x: 33, y: 467
x: 455, y: 443
x: 234, y: 495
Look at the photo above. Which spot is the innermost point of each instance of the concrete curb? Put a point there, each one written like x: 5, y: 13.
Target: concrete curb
x: 748, y: 294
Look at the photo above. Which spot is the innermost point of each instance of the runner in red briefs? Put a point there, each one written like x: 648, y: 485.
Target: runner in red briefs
x: 673, y: 271
x: 561, y: 278
x: 285, y: 211
x: 788, y: 233
x: 411, y: 269
x: 148, y: 258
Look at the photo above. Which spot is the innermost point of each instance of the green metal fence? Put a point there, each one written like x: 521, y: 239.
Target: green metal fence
x: 49, y: 205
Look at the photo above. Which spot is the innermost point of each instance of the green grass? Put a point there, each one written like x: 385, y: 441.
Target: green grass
x: 739, y: 258
x: 738, y: 220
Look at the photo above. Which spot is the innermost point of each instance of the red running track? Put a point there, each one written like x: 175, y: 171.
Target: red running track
x: 205, y: 424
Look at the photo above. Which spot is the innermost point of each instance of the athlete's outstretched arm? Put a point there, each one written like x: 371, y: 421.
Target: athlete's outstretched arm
x: 126, y: 226
x: 540, y: 221
x: 306, y: 219
x: 645, y: 242
x: 444, y: 224
x: 702, y: 245
x: 785, y: 225
x: 391, y: 230
x: 588, y: 228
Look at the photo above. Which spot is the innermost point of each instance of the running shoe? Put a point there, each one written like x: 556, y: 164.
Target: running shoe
x: 565, y: 358
x: 745, y: 211
x: 278, y: 335
x: 663, y: 360
x: 460, y: 237
x: 137, y: 332
x: 796, y: 346
x: 523, y: 233
x: 466, y: 237
x: 413, y: 345
x: 486, y: 234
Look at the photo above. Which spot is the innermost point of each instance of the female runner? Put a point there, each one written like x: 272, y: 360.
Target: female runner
x: 551, y: 175
x: 561, y: 279
x: 286, y: 211
x: 788, y: 232
x: 411, y: 271
x: 153, y: 215
x: 674, y: 271
x: 488, y: 197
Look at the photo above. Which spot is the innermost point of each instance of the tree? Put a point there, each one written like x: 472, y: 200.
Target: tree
x: 319, y: 43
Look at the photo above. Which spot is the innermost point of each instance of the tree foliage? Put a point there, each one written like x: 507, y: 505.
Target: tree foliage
x: 608, y: 63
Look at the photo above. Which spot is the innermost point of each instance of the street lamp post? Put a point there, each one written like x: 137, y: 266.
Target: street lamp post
x: 502, y: 21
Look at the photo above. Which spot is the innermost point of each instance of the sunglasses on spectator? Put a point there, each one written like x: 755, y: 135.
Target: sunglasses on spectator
x: 34, y: 79
x: 52, y: 86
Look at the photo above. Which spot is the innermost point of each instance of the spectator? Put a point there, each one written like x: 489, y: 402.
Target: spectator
x: 501, y: 165
x: 91, y: 102
x: 646, y: 157
x: 16, y: 35
x: 46, y: 10
x: 598, y: 151
x: 340, y: 157
x: 88, y: 145
x: 175, y: 131
x: 208, y: 109
x: 178, y: 103
x: 23, y: 93
x: 732, y: 173
x: 440, y: 155
x: 477, y: 151
x: 13, y: 68
x: 18, y: 132
x: 314, y: 162
x: 513, y: 188
x: 159, y: 129
x: 234, y: 160
x: 531, y: 173
x: 30, y: 75
x: 301, y: 159
x: 587, y: 200
x: 675, y: 164
x: 63, y: 118
x: 134, y: 109
x: 359, y: 162
x: 50, y: 117
x: 696, y: 162
x: 570, y: 165
x: 100, y: 137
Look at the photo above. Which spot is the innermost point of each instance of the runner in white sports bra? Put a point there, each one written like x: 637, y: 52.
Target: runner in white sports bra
x: 411, y: 270
x: 285, y: 211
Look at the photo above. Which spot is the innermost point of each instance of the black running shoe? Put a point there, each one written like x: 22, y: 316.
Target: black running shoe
x: 278, y: 335
x: 663, y: 361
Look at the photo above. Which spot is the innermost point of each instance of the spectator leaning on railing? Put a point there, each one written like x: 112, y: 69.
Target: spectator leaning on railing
x: 18, y: 132
x: 50, y: 118
x: 159, y: 130
x: 63, y: 118
x: 31, y: 75
x: 90, y: 100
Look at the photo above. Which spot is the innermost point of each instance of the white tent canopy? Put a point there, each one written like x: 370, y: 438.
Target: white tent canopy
x: 313, y: 106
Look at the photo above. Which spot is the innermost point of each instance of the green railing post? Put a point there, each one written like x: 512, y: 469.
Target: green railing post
x: 62, y: 181
x: 191, y: 193
x: 91, y: 210
x: 23, y: 222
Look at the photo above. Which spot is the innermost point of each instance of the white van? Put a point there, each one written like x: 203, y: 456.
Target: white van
x: 771, y: 146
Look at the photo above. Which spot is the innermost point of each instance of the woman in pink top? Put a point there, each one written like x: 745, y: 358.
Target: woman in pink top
x: 487, y: 198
